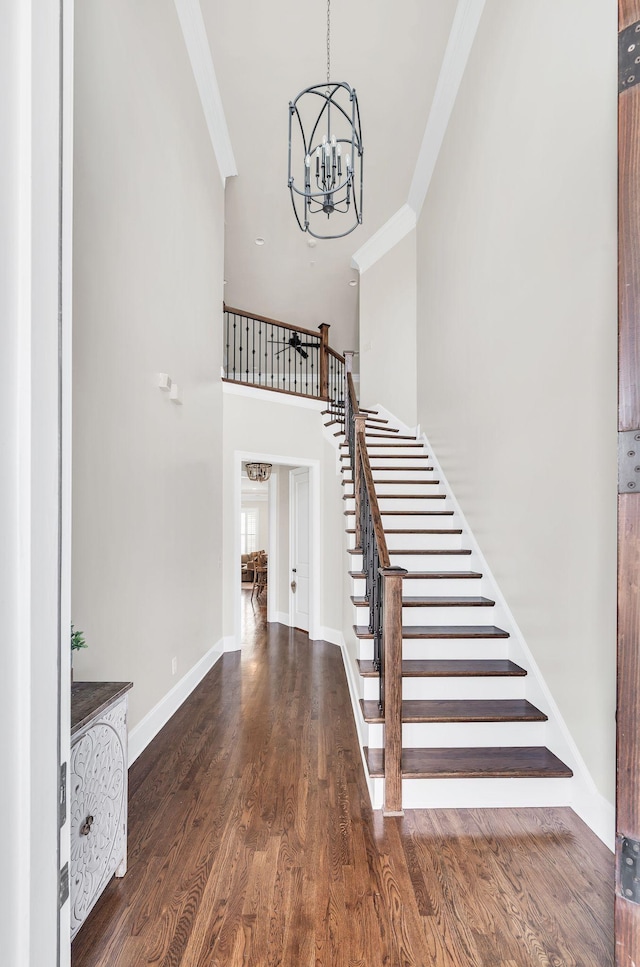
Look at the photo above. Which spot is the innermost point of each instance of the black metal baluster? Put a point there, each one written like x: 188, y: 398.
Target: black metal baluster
x: 253, y: 351
x: 260, y: 353
x: 235, y: 324
x: 272, y: 354
x: 226, y: 336
x: 287, y: 379
x: 378, y: 625
x: 247, y: 350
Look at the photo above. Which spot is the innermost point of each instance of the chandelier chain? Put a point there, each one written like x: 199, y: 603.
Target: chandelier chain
x: 328, y: 41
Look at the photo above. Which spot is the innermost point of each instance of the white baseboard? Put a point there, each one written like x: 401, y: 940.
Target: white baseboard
x: 332, y: 636
x: 147, y: 729
x: 373, y: 785
x: 596, y: 811
x: 229, y: 643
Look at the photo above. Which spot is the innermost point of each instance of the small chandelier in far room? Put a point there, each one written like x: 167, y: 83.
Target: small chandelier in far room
x: 328, y: 158
x: 259, y: 471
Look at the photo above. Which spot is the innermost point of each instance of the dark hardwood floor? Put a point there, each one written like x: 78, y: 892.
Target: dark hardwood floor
x: 251, y: 842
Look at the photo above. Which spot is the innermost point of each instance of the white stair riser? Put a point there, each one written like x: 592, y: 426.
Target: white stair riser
x: 435, y: 587
x: 455, y: 648
x: 448, y: 616
x: 387, y: 453
x: 432, y: 562
x: 496, y: 793
x: 408, y: 473
x: 407, y: 503
x: 424, y: 541
x: 441, y: 648
x: 417, y: 541
x: 393, y: 487
x: 453, y: 735
x: 449, y: 688
x: 423, y: 562
x: 411, y: 521
x: 435, y: 616
x: 463, y: 688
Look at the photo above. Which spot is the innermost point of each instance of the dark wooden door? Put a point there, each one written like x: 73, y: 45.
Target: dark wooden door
x: 627, y: 900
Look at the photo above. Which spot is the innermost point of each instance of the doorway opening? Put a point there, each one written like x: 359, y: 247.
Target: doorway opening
x: 279, y: 521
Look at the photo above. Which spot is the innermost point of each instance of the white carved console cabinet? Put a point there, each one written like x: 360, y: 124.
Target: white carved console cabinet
x: 98, y: 772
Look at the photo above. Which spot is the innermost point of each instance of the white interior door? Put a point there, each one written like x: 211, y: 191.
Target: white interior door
x: 300, y: 556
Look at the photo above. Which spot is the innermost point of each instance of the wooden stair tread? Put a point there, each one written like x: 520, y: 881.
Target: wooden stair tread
x: 409, y: 469
x: 408, y: 513
x: 440, y: 631
x: 450, y: 668
x: 383, y: 436
x: 392, y: 443
x: 428, y: 575
x: 416, y: 530
x: 418, y: 483
x: 403, y: 497
x: 434, y: 601
x: 450, y: 551
x: 459, y: 710
x: 391, y: 456
x: 338, y: 405
x: 500, y: 762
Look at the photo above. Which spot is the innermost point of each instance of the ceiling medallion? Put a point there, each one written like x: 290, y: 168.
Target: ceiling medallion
x: 259, y: 471
x: 324, y: 121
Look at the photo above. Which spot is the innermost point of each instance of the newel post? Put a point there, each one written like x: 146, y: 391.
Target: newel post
x: 324, y: 360
x: 391, y: 672
x: 356, y: 470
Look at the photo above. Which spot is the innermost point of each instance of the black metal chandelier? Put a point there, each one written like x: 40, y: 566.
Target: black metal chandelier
x: 324, y: 123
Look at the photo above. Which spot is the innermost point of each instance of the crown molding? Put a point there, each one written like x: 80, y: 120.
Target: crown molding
x: 463, y: 32
x: 384, y: 239
x: 199, y: 51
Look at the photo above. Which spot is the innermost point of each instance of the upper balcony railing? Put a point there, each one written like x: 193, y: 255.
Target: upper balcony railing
x: 259, y: 351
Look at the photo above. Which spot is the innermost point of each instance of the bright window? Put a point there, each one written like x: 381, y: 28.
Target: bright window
x: 248, y: 531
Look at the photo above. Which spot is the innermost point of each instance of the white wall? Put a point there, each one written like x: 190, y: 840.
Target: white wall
x: 517, y: 336
x: 269, y: 424
x: 388, y: 331
x: 149, y: 224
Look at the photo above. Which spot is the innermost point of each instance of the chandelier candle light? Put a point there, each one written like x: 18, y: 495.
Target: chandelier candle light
x: 328, y: 152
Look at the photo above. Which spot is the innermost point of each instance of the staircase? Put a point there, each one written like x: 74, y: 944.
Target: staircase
x: 470, y: 734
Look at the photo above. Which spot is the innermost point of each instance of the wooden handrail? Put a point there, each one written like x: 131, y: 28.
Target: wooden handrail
x: 353, y: 399
x: 389, y: 635
x: 274, y: 322
x: 336, y: 355
x: 376, y: 517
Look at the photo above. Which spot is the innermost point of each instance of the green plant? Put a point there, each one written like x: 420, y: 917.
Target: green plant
x: 77, y: 640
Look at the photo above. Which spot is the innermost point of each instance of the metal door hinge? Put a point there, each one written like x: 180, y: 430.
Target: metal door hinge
x: 628, y: 461
x: 62, y: 795
x: 63, y: 886
x: 629, y: 857
x: 629, y: 57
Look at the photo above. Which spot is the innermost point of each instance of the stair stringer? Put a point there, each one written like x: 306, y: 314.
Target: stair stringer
x: 580, y: 792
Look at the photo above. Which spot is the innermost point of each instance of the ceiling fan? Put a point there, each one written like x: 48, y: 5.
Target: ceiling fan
x: 294, y: 342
